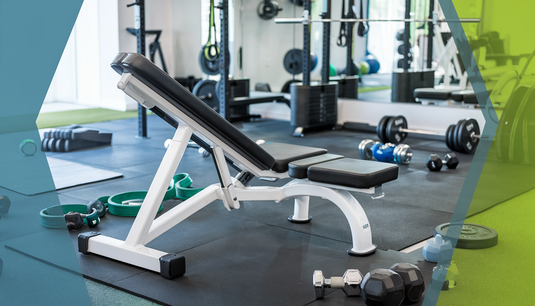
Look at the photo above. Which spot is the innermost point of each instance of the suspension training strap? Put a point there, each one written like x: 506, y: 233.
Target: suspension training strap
x: 211, y: 51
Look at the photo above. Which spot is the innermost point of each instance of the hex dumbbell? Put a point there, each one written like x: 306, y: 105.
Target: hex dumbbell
x: 400, y: 154
x: 5, y: 203
x: 349, y: 283
x: 462, y: 137
x: 434, y: 163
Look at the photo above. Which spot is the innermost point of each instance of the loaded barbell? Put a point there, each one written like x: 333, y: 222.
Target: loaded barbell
x: 462, y: 137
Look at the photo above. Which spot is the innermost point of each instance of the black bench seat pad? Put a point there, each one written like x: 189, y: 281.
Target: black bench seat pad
x: 285, y: 153
x: 433, y: 93
x: 355, y: 173
x: 298, y: 169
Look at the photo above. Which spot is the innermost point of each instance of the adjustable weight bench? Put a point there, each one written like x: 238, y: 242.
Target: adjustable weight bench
x: 316, y: 172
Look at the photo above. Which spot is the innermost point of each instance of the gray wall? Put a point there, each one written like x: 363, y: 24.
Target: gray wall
x: 187, y: 37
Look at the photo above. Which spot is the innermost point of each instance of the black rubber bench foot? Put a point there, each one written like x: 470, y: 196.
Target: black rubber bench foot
x: 362, y: 254
x: 291, y: 219
x: 83, y: 241
x: 172, y: 266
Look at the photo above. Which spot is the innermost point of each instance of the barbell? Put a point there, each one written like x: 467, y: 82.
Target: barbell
x: 305, y: 19
x: 462, y: 137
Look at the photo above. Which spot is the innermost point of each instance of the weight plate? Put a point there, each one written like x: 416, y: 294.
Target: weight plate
x: 468, y: 128
x: 455, y: 139
x: 44, y: 146
x: 206, y: 91
x: 208, y: 67
x: 60, y: 145
x: 516, y: 150
x: 503, y: 132
x: 393, y: 135
x: 51, y: 145
x: 449, y: 137
x: 293, y: 61
x: 381, y: 128
x: 472, y: 236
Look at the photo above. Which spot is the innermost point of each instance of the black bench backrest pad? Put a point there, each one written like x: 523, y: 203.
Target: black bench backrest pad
x: 181, y: 98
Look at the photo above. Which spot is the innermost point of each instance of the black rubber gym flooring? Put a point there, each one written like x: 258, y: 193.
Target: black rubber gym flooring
x: 254, y: 256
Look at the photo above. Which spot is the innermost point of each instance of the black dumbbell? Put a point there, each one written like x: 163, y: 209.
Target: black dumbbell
x: 402, y: 283
x: 434, y: 163
x: 349, y: 283
x: 5, y: 203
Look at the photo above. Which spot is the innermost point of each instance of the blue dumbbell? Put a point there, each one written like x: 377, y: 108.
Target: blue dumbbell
x: 390, y: 153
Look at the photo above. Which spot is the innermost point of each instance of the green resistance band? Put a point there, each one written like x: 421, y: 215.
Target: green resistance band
x: 211, y: 51
x: 55, y: 216
x: 127, y: 204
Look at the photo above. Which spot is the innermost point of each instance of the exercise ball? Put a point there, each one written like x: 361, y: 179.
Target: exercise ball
x: 313, y: 61
x: 356, y: 69
x: 374, y: 63
x: 364, y: 67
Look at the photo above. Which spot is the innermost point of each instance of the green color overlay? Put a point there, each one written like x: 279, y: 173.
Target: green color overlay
x: 498, y: 191
x: 81, y: 116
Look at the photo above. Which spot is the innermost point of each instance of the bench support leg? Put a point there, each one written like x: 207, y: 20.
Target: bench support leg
x: 358, y: 221
x: 300, y: 210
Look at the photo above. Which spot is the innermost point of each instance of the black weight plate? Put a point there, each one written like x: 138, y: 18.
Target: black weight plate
x: 449, y: 137
x: 60, y: 145
x: 393, y: 135
x: 456, y: 144
x: 208, y: 67
x: 467, y: 128
x: 44, y: 144
x: 381, y: 128
x: 293, y: 61
x: 51, y: 145
x: 516, y: 146
x: 472, y: 236
x: 206, y: 91
x: 503, y: 132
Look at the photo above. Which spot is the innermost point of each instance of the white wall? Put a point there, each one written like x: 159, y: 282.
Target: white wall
x: 186, y: 30
x: 84, y: 75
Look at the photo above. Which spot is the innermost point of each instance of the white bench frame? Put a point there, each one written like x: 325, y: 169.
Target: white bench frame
x: 146, y: 228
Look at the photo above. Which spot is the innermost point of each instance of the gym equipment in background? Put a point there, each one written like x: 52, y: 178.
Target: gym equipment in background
x: 390, y: 153
x: 72, y: 216
x: 314, y: 107
x: 330, y: 180
x: 5, y: 204
x: 470, y: 236
x: 268, y: 9
x: 154, y: 46
x: 206, y: 91
x: 293, y: 61
x: 462, y: 137
x: 139, y: 22
x: 437, y: 249
x: 349, y: 283
x: 74, y: 138
x: 434, y: 162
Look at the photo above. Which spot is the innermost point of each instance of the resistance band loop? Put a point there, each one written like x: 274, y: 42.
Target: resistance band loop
x: 211, y: 51
x: 54, y: 216
x: 342, y: 40
x: 127, y: 204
